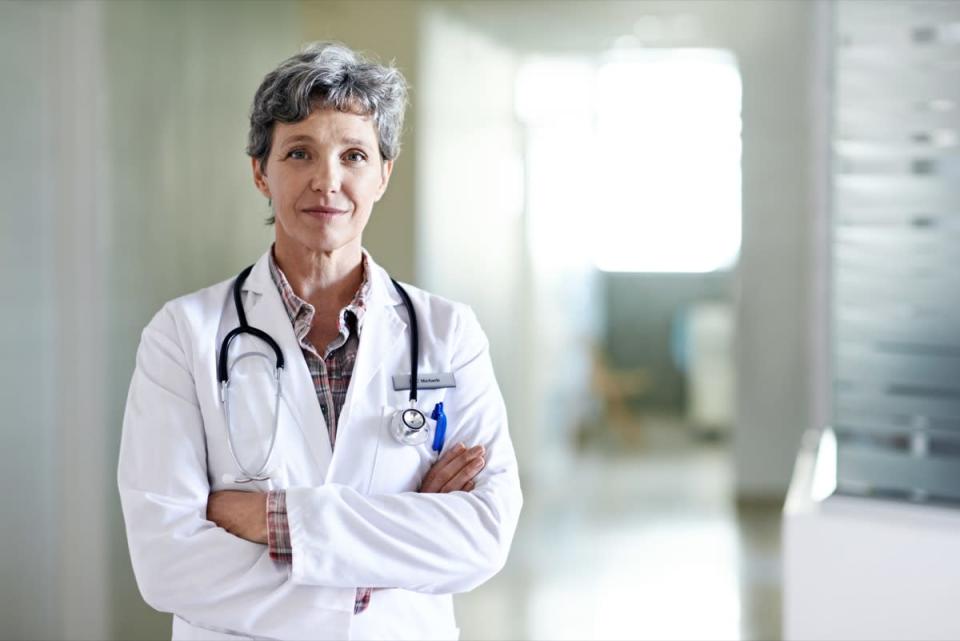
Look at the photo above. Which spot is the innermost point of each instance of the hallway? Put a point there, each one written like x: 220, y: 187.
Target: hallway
x: 640, y: 542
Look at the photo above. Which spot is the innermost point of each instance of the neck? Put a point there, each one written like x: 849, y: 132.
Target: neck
x: 326, y: 280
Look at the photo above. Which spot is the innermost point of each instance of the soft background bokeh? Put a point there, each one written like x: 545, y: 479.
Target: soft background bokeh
x: 124, y: 184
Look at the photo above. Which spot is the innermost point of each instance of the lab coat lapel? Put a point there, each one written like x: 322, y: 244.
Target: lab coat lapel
x: 265, y: 310
x: 383, y: 332
x: 384, y: 343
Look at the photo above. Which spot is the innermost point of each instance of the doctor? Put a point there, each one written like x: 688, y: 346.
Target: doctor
x: 274, y: 483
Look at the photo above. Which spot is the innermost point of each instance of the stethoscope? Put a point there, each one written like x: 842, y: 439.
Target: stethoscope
x: 409, y: 426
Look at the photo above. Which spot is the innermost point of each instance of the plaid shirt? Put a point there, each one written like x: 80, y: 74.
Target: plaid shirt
x: 331, y: 374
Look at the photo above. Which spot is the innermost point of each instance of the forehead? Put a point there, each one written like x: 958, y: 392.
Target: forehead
x: 329, y: 126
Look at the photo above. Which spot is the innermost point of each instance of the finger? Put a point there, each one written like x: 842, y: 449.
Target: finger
x: 469, y: 486
x: 466, y: 473
x: 451, y: 468
x: 450, y: 453
x: 457, y: 449
x: 453, y: 464
x: 444, y: 469
x: 431, y: 474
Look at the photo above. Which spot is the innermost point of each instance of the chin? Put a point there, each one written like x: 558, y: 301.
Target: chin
x: 316, y: 236
x: 324, y: 243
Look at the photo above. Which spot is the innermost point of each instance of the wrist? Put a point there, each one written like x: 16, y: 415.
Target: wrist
x: 262, y: 518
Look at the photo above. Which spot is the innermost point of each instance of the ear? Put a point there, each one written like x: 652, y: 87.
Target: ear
x: 386, y: 168
x: 259, y: 178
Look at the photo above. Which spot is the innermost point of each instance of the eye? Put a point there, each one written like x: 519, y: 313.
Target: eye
x: 355, y: 156
x: 297, y: 154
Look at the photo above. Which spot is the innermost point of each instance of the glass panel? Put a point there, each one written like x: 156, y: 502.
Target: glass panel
x: 896, y: 249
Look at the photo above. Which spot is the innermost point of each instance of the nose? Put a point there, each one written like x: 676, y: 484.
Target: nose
x: 326, y: 177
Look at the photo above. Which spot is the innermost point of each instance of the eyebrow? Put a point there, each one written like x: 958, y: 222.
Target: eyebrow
x: 305, y: 138
x: 298, y: 138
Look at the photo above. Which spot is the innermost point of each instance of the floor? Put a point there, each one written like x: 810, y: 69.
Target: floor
x: 641, y: 540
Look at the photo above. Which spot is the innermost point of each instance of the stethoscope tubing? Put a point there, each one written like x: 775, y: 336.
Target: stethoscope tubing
x: 414, y: 340
x: 243, y: 328
x: 260, y: 474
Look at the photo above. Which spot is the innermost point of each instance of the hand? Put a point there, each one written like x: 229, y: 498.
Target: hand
x: 242, y: 514
x: 455, y: 470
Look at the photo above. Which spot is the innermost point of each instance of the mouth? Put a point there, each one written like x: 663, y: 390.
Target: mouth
x: 324, y: 212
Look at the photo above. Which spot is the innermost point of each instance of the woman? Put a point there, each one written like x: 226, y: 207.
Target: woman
x: 287, y: 479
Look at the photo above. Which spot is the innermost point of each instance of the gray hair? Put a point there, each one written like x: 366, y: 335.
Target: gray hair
x: 331, y: 75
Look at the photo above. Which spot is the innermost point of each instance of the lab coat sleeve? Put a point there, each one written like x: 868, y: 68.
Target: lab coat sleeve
x: 431, y: 543
x: 185, y: 564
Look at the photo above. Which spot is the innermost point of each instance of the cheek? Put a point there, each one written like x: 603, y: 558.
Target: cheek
x: 287, y: 189
x: 366, y: 190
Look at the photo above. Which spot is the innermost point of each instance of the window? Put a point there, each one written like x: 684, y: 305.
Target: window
x: 645, y: 145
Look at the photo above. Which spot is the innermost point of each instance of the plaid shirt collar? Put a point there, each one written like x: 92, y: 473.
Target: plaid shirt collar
x: 301, y: 312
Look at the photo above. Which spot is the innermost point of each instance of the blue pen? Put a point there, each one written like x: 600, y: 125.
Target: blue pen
x: 441, y: 432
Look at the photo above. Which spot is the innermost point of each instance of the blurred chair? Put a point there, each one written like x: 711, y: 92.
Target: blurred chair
x: 614, y: 390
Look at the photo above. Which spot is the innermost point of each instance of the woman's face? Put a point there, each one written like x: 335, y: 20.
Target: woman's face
x: 323, y: 175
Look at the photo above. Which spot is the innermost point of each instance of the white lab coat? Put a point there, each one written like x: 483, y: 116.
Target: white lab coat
x: 355, y: 517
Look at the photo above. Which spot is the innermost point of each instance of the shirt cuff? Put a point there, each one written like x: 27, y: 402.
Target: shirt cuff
x: 362, y: 601
x: 278, y: 528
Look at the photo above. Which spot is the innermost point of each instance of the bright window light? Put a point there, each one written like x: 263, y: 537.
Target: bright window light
x: 659, y: 178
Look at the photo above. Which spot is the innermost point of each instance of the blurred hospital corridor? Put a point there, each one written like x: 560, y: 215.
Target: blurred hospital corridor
x: 638, y: 543
x: 712, y: 245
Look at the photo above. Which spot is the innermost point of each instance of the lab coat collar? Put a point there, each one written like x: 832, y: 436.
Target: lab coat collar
x: 382, y: 291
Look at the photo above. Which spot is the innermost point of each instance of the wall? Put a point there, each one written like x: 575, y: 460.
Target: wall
x: 30, y: 560
x: 774, y: 289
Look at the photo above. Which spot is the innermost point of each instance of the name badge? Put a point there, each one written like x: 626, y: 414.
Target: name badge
x: 425, y: 381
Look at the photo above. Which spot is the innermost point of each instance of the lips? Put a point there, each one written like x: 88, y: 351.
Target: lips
x: 322, y: 210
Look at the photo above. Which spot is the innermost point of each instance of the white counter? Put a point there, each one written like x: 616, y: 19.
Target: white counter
x: 865, y: 568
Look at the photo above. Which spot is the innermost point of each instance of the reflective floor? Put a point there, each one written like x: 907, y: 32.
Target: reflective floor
x: 641, y: 540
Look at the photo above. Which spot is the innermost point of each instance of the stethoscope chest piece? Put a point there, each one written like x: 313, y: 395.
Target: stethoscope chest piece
x: 410, y: 426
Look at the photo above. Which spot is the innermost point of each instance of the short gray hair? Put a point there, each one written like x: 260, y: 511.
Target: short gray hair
x: 328, y: 74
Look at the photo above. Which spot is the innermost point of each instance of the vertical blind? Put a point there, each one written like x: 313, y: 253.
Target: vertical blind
x: 895, y: 277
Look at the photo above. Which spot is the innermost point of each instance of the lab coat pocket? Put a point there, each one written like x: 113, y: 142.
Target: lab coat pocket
x: 398, y: 467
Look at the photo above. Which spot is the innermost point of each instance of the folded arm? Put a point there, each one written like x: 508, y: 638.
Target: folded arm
x: 184, y: 563
x: 261, y: 517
